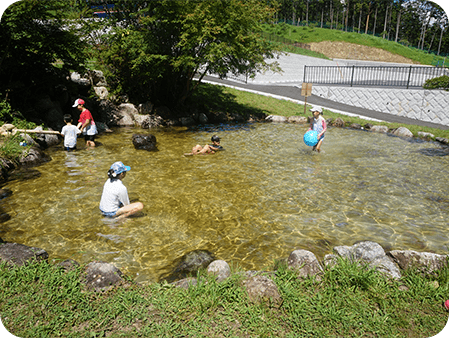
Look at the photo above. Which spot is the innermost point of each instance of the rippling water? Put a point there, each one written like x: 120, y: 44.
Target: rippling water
x: 264, y: 196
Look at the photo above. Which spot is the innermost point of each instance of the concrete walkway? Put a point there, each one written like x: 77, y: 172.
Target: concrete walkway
x: 288, y: 86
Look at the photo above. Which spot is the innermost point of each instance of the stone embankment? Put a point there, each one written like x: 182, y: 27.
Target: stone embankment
x: 260, y: 285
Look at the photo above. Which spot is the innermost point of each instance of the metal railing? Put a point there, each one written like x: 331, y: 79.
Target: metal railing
x: 394, y: 76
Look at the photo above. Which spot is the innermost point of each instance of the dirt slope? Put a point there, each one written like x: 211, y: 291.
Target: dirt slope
x: 351, y: 51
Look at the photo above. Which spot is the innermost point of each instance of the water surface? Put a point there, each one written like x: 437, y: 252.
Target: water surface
x: 266, y: 195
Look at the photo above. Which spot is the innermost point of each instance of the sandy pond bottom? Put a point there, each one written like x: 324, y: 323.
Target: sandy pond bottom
x: 266, y: 195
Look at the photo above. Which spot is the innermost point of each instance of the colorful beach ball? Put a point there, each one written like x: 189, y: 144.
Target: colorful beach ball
x: 311, y: 138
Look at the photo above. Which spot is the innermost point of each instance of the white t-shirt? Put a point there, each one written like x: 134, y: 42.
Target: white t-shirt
x: 70, y: 133
x: 115, y: 195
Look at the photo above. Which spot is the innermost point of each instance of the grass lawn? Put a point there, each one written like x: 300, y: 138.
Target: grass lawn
x: 42, y: 300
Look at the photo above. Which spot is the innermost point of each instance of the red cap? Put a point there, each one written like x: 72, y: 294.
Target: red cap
x: 78, y: 102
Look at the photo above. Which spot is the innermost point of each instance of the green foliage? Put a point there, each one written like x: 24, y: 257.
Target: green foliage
x: 9, y: 115
x: 157, y: 58
x: 441, y: 82
x: 33, y: 37
x: 11, y: 149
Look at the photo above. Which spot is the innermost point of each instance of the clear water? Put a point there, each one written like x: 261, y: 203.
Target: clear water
x: 266, y: 195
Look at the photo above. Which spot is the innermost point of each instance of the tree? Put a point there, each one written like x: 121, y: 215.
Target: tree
x: 32, y: 40
x: 159, y: 57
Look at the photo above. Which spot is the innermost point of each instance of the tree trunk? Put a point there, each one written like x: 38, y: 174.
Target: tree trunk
x: 353, y: 19
x: 441, y: 38
x: 307, y: 12
x: 398, y: 25
x: 346, y: 20
x: 375, y: 20
x: 360, y: 19
x: 389, y: 21
x: 385, y: 23
x: 431, y: 42
x: 322, y: 17
x: 332, y: 14
x: 424, y: 33
x: 366, y: 25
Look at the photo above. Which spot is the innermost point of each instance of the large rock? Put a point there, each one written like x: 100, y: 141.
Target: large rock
x: 145, y: 108
x: 148, y: 121
x: 98, y: 78
x: 220, y: 269
x: 369, y: 253
x: 126, y: 113
x: 297, y: 119
x: 338, y: 122
x: 402, y: 132
x: 34, y: 156
x: 79, y: 80
x: 185, y: 283
x: 101, y: 92
x: 144, y: 142
x: 101, y: 276
x: 188, y: 264
x: 262, y: 289
x: 305, y: 262
x: 276, y: 118
x: 379, y: 129
x: 19, y: 254
x: 46, y: 140
x: 425, y: 262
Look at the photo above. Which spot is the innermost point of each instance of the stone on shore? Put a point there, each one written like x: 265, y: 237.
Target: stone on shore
x: 19, y: 254
x: 402, y: 132
x: 369, y: 253
x: 276, y: 118
x: 220, y: 269
x: 425, y: 262
x: 379, y: 129
x: 305, y: 262
x: 262, y: 289
x: 101, y: 276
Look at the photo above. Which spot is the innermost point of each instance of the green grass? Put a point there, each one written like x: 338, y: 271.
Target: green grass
x: 309, y: 34
x: 222, y: 98
x: 42, y: 300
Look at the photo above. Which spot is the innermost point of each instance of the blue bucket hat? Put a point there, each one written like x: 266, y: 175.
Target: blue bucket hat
x: 119, y: 167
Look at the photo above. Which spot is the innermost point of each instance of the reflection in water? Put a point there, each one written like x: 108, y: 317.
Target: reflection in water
x: 264, y: 196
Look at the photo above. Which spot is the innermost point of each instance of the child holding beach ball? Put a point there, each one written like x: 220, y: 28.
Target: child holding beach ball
x: 318, y: 124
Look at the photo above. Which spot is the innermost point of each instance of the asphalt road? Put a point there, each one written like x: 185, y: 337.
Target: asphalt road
x: 288, y: 85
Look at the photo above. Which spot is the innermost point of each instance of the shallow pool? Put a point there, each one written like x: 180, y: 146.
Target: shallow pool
x: 264, y: 196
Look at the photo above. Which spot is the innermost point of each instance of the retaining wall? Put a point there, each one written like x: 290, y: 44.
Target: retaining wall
x: 419, y: 104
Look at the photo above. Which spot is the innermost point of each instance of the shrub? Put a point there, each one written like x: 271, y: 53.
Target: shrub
x: 441, y: 82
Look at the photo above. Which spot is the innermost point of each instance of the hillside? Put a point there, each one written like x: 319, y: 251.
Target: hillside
x: 346, y: 50
x: 333, y: 43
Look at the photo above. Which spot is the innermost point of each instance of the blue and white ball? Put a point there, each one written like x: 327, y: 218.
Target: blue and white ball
x: 311, y: 138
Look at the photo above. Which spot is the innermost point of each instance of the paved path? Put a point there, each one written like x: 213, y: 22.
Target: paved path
x: 288, y: 85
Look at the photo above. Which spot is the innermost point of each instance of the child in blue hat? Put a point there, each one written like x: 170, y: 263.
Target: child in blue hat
x: 114, y: 200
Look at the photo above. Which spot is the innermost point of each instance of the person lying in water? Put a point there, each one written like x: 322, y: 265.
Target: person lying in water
x: 208, y: 148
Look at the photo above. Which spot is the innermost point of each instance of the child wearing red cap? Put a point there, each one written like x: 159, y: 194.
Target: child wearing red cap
x: 86, y: 123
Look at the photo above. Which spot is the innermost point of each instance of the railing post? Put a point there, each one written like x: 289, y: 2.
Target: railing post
x: 352, y: 75
x: 409, y: 74
x: 304, y: 80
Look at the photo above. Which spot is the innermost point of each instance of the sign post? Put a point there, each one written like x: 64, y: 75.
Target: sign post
x: 306, y: 91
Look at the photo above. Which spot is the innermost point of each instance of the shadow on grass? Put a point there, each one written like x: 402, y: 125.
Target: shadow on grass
x: 212, y: 98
